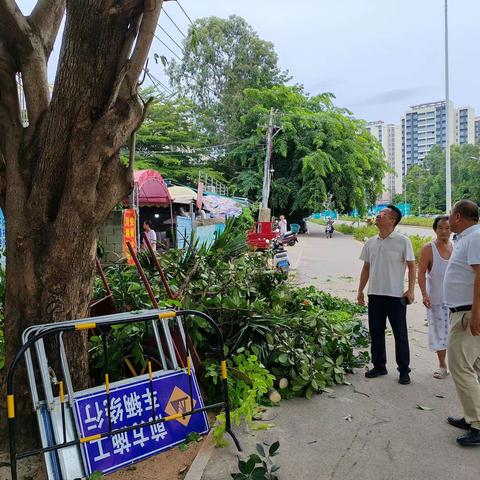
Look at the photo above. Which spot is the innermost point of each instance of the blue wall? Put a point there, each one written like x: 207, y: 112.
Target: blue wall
x: 205, y: 233
x: 325, y: 214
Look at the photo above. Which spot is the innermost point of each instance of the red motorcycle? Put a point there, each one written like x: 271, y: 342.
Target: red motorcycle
x: 288, y: 238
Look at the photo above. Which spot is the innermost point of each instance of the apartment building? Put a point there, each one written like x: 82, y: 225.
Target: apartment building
x: 464, y: 125
x: 477, y: 129
x: 390, y: 137
x: 424, y: 126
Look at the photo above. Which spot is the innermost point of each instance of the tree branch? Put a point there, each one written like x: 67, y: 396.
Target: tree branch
x: 151, y: 13
x: 35, y: 85
x: 14, y: 28
x: 28, y: 49
x: 10, y: 124
x: 46, y: 18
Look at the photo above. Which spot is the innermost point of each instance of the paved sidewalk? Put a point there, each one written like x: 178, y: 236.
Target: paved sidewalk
x: 388, y: 437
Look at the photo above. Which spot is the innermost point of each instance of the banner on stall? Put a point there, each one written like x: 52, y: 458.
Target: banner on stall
x: 129, y: 233
x: 133, y: 402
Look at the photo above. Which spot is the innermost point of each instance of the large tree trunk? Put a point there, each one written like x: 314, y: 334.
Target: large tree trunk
x: 61, y: 175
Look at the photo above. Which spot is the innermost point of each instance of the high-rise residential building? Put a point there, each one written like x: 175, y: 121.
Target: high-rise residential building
x: 390, y: 137
x: 464, y: 125
x: 477, y: 129
x: 395, y: 158
x: 424, y: 126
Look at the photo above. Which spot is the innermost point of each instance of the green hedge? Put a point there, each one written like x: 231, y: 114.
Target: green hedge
x: 418, y: 221
x: 364, y: 232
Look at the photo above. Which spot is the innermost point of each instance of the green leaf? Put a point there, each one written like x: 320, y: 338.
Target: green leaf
x: 242, y: 466
x: 259, y: 473
x: 274, y: 468
x: 309, y: 393
x: 283, y: 358
x: 260, y: 450
x: 250, y: 465
x: 274, y: 448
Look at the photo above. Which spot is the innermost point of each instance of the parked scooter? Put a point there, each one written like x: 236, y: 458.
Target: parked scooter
x: 288, y: 238
x: 280, y: 257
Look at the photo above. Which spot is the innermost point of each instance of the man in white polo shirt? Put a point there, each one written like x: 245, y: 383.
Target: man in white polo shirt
x: 386, y: 258
x: 462, y: 295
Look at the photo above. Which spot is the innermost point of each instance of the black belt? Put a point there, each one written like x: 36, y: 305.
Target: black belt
x: 462, y: 308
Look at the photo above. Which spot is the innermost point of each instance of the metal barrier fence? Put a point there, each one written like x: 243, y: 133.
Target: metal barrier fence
x: 64, y: 440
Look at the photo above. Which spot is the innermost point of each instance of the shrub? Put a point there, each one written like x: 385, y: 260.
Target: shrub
x: 418, y: 242
x: 361, y: 233
x: 418, y: 221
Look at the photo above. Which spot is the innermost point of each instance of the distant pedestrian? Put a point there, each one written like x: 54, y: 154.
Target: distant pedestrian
x: 462, y: 295
x: 432, y: 266
x: 282, y: 224
x: 386, y: 258
x: 150, y: 234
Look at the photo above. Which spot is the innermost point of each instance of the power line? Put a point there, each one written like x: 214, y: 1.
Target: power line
x: 171, y: 19
x: 186, y: 14
x: 170, y: 37
x: 157, y: 83
x: 155, y: 79
x: 163, y: 43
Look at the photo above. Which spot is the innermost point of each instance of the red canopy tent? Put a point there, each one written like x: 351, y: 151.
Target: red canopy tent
x: 152, y: 189
x: 149, y: 190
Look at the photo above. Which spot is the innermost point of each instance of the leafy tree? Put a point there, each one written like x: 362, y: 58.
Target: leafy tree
x: 320, y: 153
x: 61, y: 174
x: 221, y: 58
x: 170, y: 142
x: 426, y: 183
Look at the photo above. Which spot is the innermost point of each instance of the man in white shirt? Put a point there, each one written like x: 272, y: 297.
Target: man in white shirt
x: 150, y: 234
x: 462, y: 295
x: 386, y: 258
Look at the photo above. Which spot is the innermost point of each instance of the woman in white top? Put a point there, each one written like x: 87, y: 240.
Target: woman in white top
x: 433, y: 263
x: 283, y: 225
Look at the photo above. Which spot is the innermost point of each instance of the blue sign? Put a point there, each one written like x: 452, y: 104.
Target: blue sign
x: 133, y: 403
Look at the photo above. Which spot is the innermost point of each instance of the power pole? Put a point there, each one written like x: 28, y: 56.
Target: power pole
x: 264, y: 213
x: 448, y: 168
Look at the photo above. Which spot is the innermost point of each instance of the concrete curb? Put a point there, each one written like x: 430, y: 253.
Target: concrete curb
x: 197, y: 468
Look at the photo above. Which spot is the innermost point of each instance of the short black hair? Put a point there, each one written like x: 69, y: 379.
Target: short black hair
x: 148, y: 222
x: 467, y: 210
x: 397, y: 212
x: 437, y: 220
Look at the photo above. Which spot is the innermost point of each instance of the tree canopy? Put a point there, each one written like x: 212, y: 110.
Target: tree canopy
x: 321, y: 154
x: 426, y: 183
x: 221, y: 58
x: 170, y: 141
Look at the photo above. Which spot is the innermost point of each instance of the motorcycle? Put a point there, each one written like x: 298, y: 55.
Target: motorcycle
x: 288, y: 238
x: 280, y: 257
x: 329, y: 230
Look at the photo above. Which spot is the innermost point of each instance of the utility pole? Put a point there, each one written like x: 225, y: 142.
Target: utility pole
x: 448, y: 168
x: 264, y: 213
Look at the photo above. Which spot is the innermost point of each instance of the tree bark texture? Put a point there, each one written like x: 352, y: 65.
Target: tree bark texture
x: 61, y: 175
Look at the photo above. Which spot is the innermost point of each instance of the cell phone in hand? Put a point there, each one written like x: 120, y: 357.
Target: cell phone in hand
x: 404, y: 301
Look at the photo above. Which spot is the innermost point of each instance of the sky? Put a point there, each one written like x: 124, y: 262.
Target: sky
x: 378, y: 57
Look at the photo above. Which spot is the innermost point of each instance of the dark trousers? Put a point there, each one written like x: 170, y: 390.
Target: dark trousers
x: 379, y: 309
